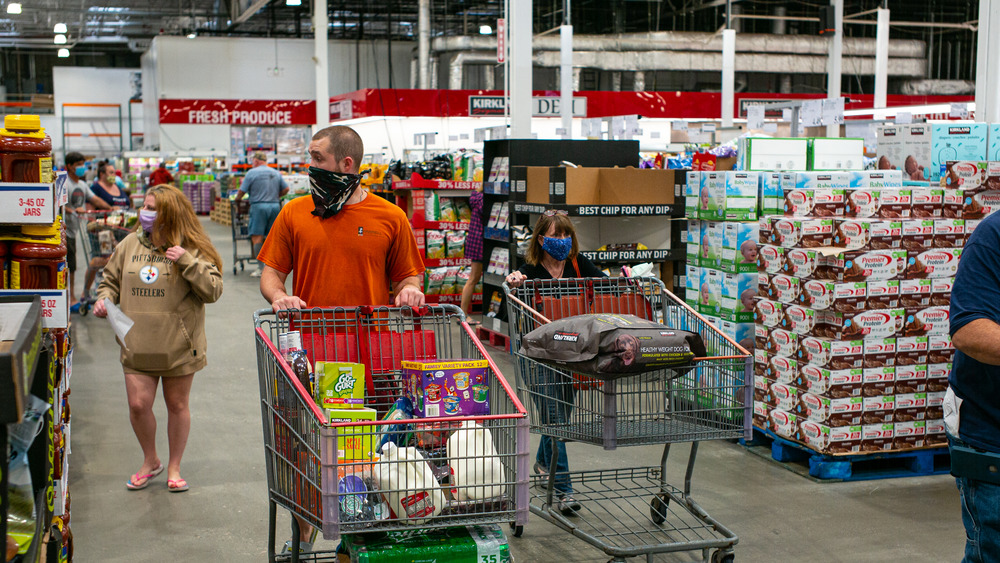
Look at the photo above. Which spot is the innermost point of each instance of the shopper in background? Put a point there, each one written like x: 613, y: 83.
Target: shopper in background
x: 107, y: 188
x: 474, y: 250
x: 265, y: 186
x: 972, y: 402
x: 91, y: 174
x: 552, y: 254
x: 348, y: 248
x: 144, y: 177
x: 161, y: 276
x: 79, y: 196
x: 161, y: 176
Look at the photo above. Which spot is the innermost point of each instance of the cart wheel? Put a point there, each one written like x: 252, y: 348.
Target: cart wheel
x: 658, y: 509
x: 84, y: 309
x: 720, y: 556
x: 516, y: 530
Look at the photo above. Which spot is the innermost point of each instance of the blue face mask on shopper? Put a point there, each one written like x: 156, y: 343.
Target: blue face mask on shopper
x: 558, y: 248
x: 81, y: 171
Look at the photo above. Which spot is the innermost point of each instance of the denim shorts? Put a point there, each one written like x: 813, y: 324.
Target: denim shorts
x: 262, y: 216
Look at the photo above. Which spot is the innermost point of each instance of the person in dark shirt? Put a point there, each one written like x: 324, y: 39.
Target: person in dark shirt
x: 554, y: 253
x: 972, y: 402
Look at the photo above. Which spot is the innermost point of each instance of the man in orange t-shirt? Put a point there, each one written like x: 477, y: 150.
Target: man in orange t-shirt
x: 347, y: 247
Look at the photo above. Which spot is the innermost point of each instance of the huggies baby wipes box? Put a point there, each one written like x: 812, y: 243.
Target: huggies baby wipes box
x: 739, y: 247
x: 692, y: 189
x: 740, y: 202
x: 739, y: 291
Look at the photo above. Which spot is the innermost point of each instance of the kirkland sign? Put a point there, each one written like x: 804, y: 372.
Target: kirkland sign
x: 543, y: 106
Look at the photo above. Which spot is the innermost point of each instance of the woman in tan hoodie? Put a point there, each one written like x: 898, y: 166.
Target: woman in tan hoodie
x: 161, y: 276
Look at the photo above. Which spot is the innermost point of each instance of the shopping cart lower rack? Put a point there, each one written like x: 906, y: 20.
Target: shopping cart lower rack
x: 309, y: 467
x: 629, y: 512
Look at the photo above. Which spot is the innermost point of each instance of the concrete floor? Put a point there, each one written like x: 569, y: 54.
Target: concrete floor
x: 778, y: 515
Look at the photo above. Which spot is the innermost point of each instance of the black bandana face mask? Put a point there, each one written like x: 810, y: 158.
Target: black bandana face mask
x: 331, y: 190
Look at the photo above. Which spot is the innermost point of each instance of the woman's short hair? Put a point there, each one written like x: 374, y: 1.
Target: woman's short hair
x: 563, y: 226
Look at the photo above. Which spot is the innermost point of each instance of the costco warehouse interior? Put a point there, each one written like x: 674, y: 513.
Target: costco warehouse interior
x: 482, y: 281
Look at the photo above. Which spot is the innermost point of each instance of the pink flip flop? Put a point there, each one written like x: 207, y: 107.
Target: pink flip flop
x: 142, y: 480
x: 177, y: 485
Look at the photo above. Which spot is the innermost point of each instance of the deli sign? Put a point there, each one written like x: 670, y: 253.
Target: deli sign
x: 541, y: 106
x: 238, y: 112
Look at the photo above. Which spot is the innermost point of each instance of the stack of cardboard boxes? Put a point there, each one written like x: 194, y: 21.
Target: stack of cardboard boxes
x: 852, y: 347
x: 722, y: 208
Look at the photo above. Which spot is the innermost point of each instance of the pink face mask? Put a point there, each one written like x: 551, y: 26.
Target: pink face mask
x: 146, y: 219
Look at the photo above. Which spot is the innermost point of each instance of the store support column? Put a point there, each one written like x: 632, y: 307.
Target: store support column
x: 519, y: 33
x: 322, y: 58
x: 833, y: 65
x: 988, y: 63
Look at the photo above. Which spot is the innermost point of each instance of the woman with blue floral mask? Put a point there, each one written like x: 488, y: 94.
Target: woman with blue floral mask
x: 553, y: 254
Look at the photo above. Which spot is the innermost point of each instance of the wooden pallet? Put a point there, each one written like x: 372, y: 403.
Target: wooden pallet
x: 220, y: 217
x: 497, y: 339
x: 827, y: 468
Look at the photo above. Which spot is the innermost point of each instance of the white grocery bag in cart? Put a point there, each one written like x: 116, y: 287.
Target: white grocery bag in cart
x: 475, y: 464
x: 408, y: 484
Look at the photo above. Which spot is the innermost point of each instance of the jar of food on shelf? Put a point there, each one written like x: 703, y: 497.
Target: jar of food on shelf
x: 35, y: 265
x: 25, y: 150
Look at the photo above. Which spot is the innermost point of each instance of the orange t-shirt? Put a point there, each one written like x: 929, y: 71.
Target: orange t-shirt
x: 347, y: 260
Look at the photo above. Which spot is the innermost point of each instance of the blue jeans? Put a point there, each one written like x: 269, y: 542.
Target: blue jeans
x: 554, y: 395
x: 981, y: 517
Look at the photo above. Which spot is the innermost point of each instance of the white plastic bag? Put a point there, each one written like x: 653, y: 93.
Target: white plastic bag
x: 475, y: 463
x: 408, y: 485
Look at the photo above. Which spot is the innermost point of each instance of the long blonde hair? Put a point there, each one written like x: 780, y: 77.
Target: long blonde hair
x: 178, y: 225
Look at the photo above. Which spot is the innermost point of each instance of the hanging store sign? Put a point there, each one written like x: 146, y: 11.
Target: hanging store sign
x: 542, y: 106
x: 238, y: 112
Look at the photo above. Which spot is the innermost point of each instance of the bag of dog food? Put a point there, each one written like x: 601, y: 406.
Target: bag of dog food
x: 607, y: 345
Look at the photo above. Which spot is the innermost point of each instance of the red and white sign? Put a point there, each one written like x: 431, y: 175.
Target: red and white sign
x: 238, y: 112
x: 22, y: 203
x: 501, y: 40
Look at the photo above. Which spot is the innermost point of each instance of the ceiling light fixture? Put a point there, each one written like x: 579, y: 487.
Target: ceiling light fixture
x: 60, y: 28
x: 14, y: 8
x: 293, y: 2
x: 485, y: 30
x: 63, y: 53
x: 59, y: 39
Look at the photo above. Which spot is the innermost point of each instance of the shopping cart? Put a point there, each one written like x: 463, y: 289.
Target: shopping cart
x: 240, y: 220
x: 630, y: 512
x: 301, y: 446
x: 101, y: 231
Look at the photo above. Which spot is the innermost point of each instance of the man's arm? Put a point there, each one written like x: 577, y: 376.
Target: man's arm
x: 980, y: 340
x: 407, y: 291
x: 99, y: 203
x: 240, y: 194
x: 272, y: 287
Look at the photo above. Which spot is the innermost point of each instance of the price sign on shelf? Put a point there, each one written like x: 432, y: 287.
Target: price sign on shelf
x: 755, y: 117
x: 27, y: 203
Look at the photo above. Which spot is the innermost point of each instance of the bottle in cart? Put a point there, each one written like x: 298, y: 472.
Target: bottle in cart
x: 290, y: 346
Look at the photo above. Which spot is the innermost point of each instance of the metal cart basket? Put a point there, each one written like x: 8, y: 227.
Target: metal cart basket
x: 310, y: 469
x: 630, y: 512
x: 100, y: 232
x: 240, y: 221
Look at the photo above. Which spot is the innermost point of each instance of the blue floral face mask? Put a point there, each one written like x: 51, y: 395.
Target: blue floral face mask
x: 558, y: 248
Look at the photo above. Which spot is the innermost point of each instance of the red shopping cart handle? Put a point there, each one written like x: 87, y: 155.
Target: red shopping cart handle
x: 369, y: 310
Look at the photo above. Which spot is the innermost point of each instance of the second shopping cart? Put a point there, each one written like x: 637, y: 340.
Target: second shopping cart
x: 629, y: 512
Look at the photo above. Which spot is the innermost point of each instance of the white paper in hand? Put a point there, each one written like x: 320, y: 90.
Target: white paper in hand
x: 120, y: 322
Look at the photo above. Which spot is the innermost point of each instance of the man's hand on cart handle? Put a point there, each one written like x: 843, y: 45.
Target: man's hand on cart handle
x: 409, y: 296
x: 515, y: 278
x: 100, y: 311
x: 174, y: 253
x: 288, y: 302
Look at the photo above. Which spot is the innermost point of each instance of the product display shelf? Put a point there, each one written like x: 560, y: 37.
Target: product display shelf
x: 51, y: 344
x: 520, y: 154
x: 416, y: 182
x: 638, y: 210
x: 450, y: 298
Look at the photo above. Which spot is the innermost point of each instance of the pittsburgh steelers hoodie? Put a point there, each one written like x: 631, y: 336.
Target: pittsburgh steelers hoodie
x: 166, y: 301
